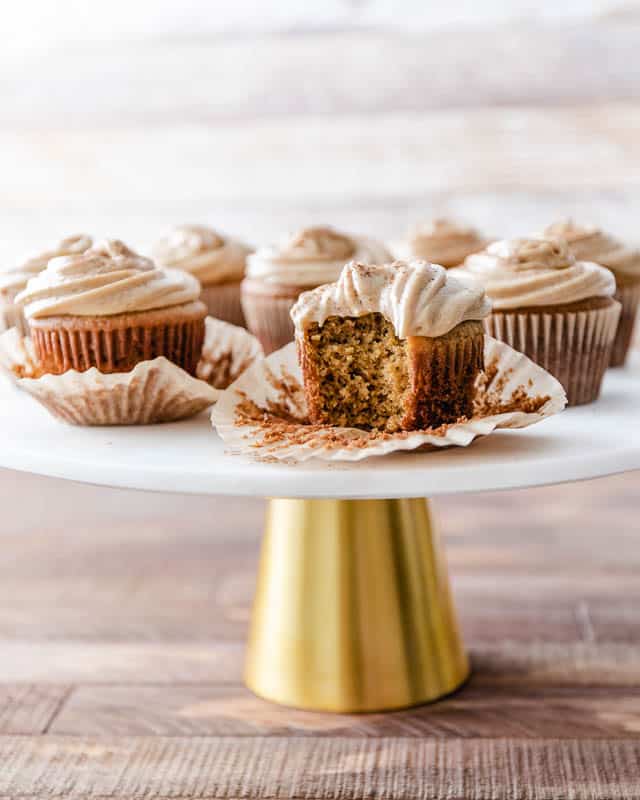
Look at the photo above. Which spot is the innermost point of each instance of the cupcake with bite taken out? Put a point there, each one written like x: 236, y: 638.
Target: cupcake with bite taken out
x: 110, y: 308
x: 217, y: 261
x: 592, y: 244
x: 278, y: 274
x: 392, y: 347
x: 558, y: 311
x: 14, y: 279
x: 440, y: 241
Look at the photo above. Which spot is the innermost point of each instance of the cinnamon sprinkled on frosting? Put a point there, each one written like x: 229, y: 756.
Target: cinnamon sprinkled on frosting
x: 419, y: 299
x: 312, y: 244
x: 204, y: 253
x: 519, y: 273
x: 109, y: 278
x: 440, y: 241
x: 311, y: 257
x: 592, y: 244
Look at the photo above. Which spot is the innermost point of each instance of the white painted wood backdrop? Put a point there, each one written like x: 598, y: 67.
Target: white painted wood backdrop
x: 126, y: 117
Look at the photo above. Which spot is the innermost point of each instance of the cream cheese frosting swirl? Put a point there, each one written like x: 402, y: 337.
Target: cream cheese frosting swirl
x: 592, y: 244
x: 207, y: 255
x: 440, y: 241
x: 15, y: 278
x: 418, y: 298
x: 311, y: 257
x: 109, y: 278
x: 522, y: 273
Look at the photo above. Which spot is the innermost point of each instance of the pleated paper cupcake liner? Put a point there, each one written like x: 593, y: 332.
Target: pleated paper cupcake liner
x: 223, y: 302
x: 78, y: 344
x: 268, y: 319
x: 154, y: 391
x: 228, y: 351
x: 574, y: 346
x: 264, y: 413
x: 629, y: 298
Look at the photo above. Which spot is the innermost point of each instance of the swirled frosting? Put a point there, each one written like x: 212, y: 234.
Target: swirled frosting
x: 201, y: 251
x: 519, y: 273
x: 440, y: 241
x: 311, y: 257
x: 418, y: 298
x: 15, y: 278
x: 592, y: 244
x: 109, y: 278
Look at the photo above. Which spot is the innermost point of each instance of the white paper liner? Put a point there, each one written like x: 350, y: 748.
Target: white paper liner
x: 154, y: 391
x: 223, y: 302
x: 574, y: 346
x: 227, y: 352
x: 629, y: 298
x: 275, y: 384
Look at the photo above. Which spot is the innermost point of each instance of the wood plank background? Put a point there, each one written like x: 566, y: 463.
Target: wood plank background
x: 122, y: 628
x: 123, y: 615
x: 370, y: 114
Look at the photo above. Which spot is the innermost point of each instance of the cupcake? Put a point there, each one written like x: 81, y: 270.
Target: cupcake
x: 278, y: 274
x: 440, y: 241
x: 591, y: 244
x: 110, y: 308
x: 396, y: 347
x: 14, y: 279
x: 558, y: 311
x: 218, y: 262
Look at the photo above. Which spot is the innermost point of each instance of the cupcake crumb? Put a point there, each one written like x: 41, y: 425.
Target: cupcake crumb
x: 282, y: 423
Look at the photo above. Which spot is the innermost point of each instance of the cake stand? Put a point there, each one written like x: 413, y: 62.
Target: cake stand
x: 353, y: 609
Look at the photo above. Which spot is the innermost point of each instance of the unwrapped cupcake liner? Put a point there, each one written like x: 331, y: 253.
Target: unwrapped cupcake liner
x: 629, y: 297
x: 268, y: 318
x: 223, y: 302
x: 227, y: 352
x: 264, y: 413
x: 574, y: 346
x: 154, y: 391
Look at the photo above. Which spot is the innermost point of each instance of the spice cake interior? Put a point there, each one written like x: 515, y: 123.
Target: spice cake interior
x: 358, y: 373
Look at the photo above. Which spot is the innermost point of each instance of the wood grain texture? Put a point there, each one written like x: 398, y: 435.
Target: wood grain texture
x: 392, y: 157
x: 508, y: 170
x: 322, y: 768
x: 478, y: 711
x: 153, y: 82
x: 505, y: 662
x: 122, y: 625
x: 26, y: 708
x: 35, y: 22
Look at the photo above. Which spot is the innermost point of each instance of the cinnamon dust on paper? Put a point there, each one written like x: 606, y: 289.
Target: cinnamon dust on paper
x: 282, y: 422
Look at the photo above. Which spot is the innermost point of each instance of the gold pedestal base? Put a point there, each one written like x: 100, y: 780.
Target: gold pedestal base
x: 353, y: 610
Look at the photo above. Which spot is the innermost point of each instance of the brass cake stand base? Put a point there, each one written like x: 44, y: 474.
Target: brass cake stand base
x: 353, y: 610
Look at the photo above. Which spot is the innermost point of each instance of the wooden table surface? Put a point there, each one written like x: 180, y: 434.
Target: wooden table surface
x: 122, y: 627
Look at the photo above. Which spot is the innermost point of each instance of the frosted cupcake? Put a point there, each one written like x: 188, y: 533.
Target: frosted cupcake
x: 218, y: 262
x: 110, y: 308
x: 278, y: 274
x: 391, y: 347
x: 14, y: 279
x: 591, y: 244
x: 440, y: 241
x: 558, y: 311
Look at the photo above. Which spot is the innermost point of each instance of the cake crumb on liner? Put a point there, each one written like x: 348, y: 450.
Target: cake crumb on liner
x: 263, y: 414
